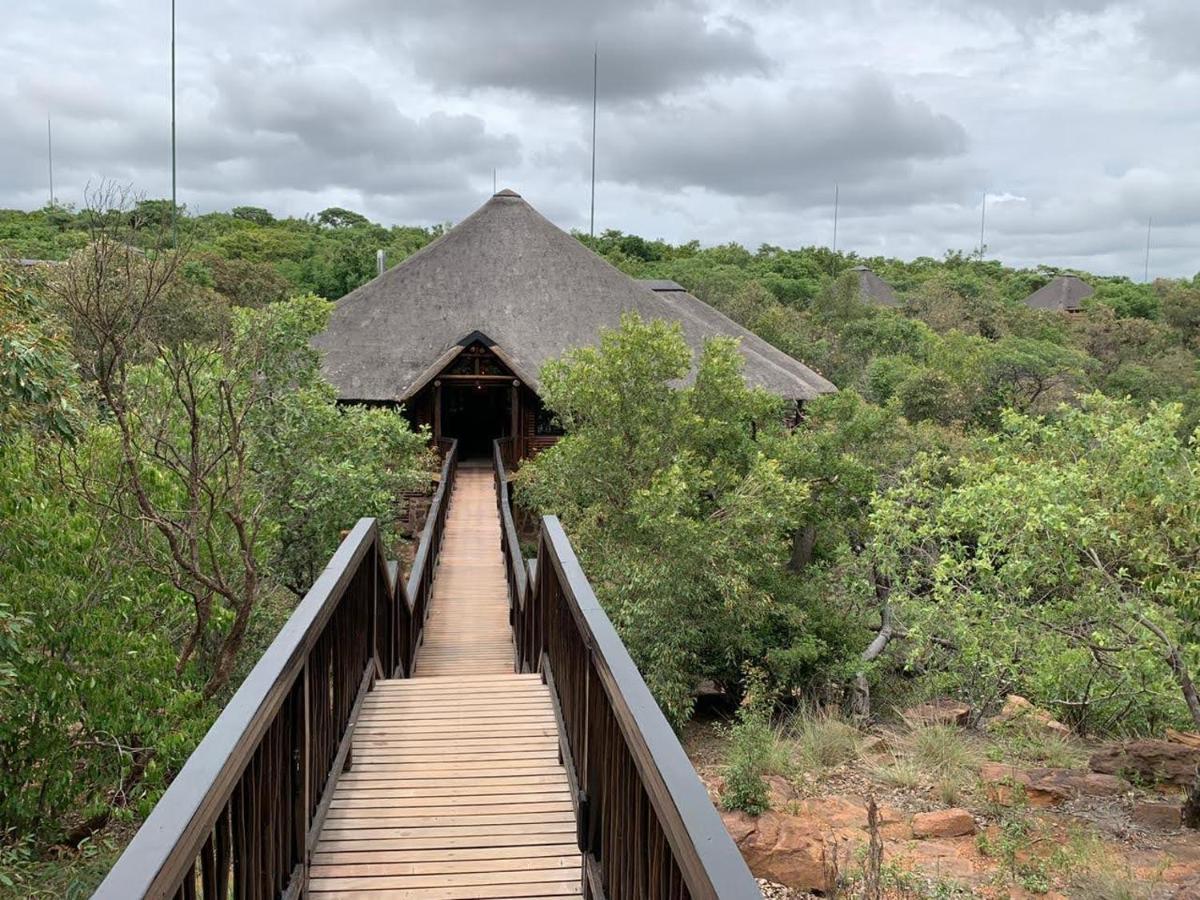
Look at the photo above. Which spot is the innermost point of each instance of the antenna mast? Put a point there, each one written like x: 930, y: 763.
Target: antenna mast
x: 982, y: 225
x: 1149, y: 225
x: 174, y: 203
x: 595, y: 82
x: 50, y: 158
x: 835, y: 215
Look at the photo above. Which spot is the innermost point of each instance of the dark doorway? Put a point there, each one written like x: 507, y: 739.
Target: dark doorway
x: 476, y: 414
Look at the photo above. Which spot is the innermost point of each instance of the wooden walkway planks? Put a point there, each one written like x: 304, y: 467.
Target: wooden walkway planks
x: 467, y: 630
x: 456, y: 791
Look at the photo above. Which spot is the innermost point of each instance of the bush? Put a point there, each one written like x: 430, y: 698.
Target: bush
x: 681, y: 519
x: 754, y: 752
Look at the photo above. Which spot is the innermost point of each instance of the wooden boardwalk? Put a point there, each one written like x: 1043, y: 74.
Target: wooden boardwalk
x: 456, y: 791
x: 467, y: 629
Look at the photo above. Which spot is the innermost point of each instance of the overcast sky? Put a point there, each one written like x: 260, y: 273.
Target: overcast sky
x: 1080, y: 119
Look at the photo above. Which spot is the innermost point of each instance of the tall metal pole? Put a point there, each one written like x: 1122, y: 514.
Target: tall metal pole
x: 595, y: 82
x: 835, y: 215
x: 50, y: 158
x: 1149, y: 225
x: 493, y: 181
x: 174, y: 202
x: 982, y: 224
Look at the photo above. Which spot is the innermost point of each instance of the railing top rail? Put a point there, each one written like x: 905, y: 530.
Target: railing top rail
x: 167, y: 843
x: 710, y: 862
x: 424, y: 548
x: 511, y: 541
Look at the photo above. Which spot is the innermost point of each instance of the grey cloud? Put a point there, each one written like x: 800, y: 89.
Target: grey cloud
x: 794, y: 147
x: 1172, y: 32
x: 1168, y: 29
x: 720, y: 119
x: 329, y: 127
x: 265, y: 128
x: 545, y: 49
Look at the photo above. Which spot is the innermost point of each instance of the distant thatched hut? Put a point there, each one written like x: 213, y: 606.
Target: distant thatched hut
x: 1064, y: 293
x: 459, y: 331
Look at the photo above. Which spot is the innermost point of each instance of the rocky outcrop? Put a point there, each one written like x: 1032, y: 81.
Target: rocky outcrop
x: 1019, y: 711
x: 943, y: 823
x: 939, y: 712
x: 780, y: 848
x: 1169, y: 761
x: 1044, y: 787
x: 1157, y: 816
x: 794, y: 847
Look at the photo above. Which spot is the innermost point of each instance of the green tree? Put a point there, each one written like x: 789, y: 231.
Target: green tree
x: 255, y: 214
x: 1055, y: 561
x: 682, y: 521
x: 38, y: 389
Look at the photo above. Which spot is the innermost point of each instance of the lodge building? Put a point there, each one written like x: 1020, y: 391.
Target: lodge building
x: 458, y: 332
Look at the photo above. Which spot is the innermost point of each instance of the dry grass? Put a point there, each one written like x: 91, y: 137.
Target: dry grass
x: 1094, y: 871
x: 1038, y: 746
x: 943, y: 751
x: 900, y: 772
x: 822, y: 740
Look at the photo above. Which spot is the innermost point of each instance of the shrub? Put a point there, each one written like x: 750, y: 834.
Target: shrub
x: 754, y: 751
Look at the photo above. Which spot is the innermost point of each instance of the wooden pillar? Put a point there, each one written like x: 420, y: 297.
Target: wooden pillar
x: 437, y: 412
x: 516, y: 420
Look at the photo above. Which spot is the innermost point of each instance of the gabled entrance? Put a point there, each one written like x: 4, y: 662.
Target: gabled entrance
x: 476, y: 414
x: 477, y: 393
x: 476, y: 399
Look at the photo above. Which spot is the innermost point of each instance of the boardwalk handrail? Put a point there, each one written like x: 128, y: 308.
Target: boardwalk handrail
x: 420, y: 578
x: 510, y: 545
x: 243, y: 815
x: 646, y: 825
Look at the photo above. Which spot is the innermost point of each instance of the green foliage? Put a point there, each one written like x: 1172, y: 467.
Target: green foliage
x: 1127, y: 299
x: 116, y: 650
x: 321, y: 467
x: 941, y: 751
x: 88, y: 684
x: 754, y: 752
x: 681, y: 516
x: 1048, y: 557
x: 253, y: 256
x: 38, y: 390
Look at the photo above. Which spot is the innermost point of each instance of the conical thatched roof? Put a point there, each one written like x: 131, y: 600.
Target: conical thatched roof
x: 508, y: 275
x: 874, y: 289
x: 1064, y: 293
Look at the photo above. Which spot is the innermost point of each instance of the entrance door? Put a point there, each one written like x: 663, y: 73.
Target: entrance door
x: 476, y: 414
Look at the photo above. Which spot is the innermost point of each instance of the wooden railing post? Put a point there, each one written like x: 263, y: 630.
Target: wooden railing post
x: 306, y: 780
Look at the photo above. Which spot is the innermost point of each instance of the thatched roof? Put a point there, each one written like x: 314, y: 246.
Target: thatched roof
x: 508, y: 275
x: 1064, y: 293
x: 874, y: 289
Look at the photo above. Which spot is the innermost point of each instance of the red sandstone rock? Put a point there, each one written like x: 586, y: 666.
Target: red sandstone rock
x: 1157, y: 816
x: 783, y: 848
x: 1093, y: 784
x: 1018, y: 710
x: 943, y: 823
x: 1154, y: 760
x: 939, y: 712
x: 1042, y: 787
